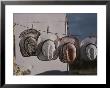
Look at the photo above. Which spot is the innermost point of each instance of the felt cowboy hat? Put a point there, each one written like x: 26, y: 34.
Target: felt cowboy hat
x: 68, y: 49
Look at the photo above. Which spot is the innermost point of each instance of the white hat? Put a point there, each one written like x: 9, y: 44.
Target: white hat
x: 88, y: 48
x: 47, y: 51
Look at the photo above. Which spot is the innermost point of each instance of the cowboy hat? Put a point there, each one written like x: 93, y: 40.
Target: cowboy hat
x: 88, y: 49
x: 67, y: 51
x: 48, y: 50
x: 28, y: 43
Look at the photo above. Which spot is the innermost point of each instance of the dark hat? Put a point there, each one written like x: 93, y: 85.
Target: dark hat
x: 28, y: 43
x: 67, y: 51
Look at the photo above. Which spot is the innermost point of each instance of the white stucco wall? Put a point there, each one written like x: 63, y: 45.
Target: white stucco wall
x: 56, y: 23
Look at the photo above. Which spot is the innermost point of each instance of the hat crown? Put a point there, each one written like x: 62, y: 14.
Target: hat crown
x: 91, y: 52
x: 48, y: 49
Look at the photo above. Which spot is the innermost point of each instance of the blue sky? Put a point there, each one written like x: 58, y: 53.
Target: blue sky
x: 82, y: 24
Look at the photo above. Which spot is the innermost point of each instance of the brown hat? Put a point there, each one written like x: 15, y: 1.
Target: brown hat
x: 67, y: 51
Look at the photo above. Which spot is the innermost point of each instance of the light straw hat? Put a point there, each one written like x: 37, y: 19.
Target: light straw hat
x: 47, y: 51
x: 47, y: 48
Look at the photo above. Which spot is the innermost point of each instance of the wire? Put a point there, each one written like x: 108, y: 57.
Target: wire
x: 15, y: 24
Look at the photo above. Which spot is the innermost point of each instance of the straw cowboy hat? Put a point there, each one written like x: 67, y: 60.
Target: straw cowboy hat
x: 88, y: 49
x: 47, y: 48
x: 68, y: 49
x: 29, y: 41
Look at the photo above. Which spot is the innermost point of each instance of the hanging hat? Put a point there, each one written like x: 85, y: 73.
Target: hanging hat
x: 28, y: 43
x: 91, y: 51
x: 47, y: 50
x: 67, y: 52
x: 88, y: 49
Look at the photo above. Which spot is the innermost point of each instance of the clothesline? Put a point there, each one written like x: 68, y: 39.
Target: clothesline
x: 15, y: 24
